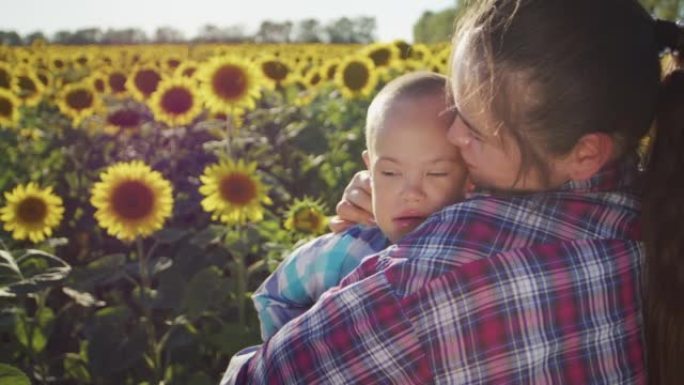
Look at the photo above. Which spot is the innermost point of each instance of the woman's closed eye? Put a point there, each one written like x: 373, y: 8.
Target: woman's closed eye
x: 438, y: 173
x: 389, y: 173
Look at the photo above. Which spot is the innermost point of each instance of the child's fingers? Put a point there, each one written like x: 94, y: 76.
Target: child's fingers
x: 350, y: 212
x: 338, y: 225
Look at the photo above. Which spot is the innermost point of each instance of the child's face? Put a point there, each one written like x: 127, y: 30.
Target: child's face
x: 415, y: 171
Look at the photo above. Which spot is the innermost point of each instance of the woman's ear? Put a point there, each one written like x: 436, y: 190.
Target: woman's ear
x: 366, y: 158
x: 589, y: 155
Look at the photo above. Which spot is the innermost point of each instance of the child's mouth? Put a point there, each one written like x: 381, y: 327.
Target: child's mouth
x: 408, y: 221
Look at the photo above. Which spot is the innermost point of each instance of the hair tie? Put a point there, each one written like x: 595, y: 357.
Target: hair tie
x: 668, y: 35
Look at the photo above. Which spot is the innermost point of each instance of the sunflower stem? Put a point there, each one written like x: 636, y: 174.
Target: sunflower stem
x: 229, y: 136
x: 145, y: 285
x: 239, y: 272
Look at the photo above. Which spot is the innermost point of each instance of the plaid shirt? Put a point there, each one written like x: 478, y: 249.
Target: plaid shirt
x: 530, y: 289
x: 309, y: 271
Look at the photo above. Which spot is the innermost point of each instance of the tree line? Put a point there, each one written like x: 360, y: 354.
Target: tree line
x: 360, y: 30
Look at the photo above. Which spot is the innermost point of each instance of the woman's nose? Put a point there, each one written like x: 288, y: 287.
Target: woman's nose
x: 458, y: 134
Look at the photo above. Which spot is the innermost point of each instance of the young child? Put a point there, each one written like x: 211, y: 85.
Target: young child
x: 414, y: 172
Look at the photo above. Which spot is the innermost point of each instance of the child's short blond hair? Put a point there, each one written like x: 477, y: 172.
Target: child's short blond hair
x: 412, y: 85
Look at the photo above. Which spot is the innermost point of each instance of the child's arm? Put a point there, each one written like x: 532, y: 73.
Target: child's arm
x: 309, y: 271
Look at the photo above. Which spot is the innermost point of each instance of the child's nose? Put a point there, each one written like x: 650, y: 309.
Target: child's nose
x: 413, y: 191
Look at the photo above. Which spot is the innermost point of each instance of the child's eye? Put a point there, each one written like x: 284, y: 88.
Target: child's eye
x: 389, y: 173
x: 437, y: 174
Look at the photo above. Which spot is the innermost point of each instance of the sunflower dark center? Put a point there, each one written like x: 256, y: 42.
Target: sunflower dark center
x: 99, y: 85
x: 79, y: 99
x: 132, y: 200
x: 32, y: 210
x: 173, y: 63
x: 380, y: 57
x: 43, y: 78
x: 356, y: 76
x: 188, y: 72
x: 275, y: 70
x: 315, y: 79
x: 230, y: 82
x: 404, y: 49
x: 117, y: 82
x: 59, y: 64
x: 27, y: 85
x: 238, y: 189
x: 5, y: 79
x: 177, y: 100
x: 6, y: 107
x: 331, y: 72
x: 124, y: 118
x: 146, y: 81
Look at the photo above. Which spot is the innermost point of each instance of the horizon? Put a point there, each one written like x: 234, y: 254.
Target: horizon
x: 392, y: 21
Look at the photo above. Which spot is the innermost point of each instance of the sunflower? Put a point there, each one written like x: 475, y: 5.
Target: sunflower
x: 98, y: 82
x: 123, y: 120
x: 28, y: 87
x: 275, y: 70
x: 421, y: 52
x: 31, y: 212
x: 131, y: 200
x: 9, y: 108
x: 143, y: 82
x: 5, y: 76
x: 356, y: 77
x: 78, y: 101
x: 314, y: 78
x: 229, y: 83
x: 186, y: 69
x: 329, y: 69
x: 383, y: 55
x: 58, y: 64
x: 306, y: 216
x: 404, y: 49
x: 233, y: 192
x: 175, y: 102
x: 116, y: 81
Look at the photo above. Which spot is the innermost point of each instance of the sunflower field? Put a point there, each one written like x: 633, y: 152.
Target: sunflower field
x: 146, y: 191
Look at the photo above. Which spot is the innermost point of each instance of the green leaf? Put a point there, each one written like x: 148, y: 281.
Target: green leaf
x: 82, y: 298
x: 9, y: 270
x: 161, y: 264
x: 9, y: 375
x: 204, y: 288
x: 31, y: 331
x: 75, y: 368
x: 169, y: 235
x: 207, y: 236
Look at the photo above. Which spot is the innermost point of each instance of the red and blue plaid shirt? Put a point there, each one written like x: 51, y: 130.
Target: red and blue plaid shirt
x: 540, y: 288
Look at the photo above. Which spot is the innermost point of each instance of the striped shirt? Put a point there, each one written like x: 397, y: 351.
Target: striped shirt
x: 310, y: 270
x: 539, y: 288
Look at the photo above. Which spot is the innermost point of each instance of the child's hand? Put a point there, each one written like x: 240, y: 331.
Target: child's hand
x: 356, y: 204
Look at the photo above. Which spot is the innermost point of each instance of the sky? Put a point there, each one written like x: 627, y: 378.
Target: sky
x: 394, y: 18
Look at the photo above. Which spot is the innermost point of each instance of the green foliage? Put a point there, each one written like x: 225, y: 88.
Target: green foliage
x: 434, y: 27
x: 665, y: 9
x: 10, y: 375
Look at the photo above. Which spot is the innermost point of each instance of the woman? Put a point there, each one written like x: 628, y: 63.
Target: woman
x: 537, y: 276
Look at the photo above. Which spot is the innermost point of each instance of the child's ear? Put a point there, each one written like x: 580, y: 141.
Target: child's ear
x: 366, y: 158
x: 590, y: 154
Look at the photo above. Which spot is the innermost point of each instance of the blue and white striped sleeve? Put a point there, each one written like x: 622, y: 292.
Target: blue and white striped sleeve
x: 309, y: 271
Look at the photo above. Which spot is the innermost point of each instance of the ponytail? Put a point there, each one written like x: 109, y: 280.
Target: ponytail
x: 663, y: 220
